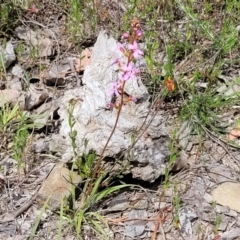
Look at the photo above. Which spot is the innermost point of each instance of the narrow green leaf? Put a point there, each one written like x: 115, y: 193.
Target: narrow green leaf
x: 99, y: 229
x: 110, y: 190
x: 79, y: 223
x: 37, y: 222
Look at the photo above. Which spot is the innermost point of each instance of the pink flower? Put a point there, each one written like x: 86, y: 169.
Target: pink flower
x: 127, y: 67
x: 139, y: 33
x: 126, y: 35
x: 134, y: 48
x: 136, y: 71
x: 127, y: 71
x: 115, y: 87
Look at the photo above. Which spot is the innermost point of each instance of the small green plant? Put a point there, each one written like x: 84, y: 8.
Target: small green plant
x: 202, y: 109
x: 169, y: 66
x: 34, y: 53
x: 84, y: 164
x: 176, y: 204
x: 19, y: 50
x: 15, y: 126
x: 60, y: 226
x: 20, y: 141
x: 217, y: 224
x: 214, y: 204
x: 26, y: 80
x: 38, y: 220
x: 71, y: 123
x: 7, y: 115
x: 9, y: 13
x: 75, y: 16
x: 79, y: 12
x: 2, y: 65
x: 172, y: 160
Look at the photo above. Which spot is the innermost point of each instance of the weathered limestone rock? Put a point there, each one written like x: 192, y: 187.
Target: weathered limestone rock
x: 8, y: 54
x: 95, y: 122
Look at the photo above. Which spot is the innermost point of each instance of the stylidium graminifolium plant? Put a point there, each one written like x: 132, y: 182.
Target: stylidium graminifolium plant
x: 129, y: 52
x: 91, y: 194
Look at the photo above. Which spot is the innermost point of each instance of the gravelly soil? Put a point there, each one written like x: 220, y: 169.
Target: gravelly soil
x: 185, y: 210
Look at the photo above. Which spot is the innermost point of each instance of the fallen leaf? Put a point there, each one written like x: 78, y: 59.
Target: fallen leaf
x: 84, y: 60
x: 170, y: 84
x: 234, y: 134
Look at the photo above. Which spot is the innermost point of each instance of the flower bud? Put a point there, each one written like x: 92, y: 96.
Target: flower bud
x: 126, y: 35
x: 132, y: 98
x: 139, y: 33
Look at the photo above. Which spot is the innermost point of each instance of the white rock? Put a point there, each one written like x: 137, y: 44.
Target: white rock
x: 207, y: 197
x: 95, y: 123
x: 7, y: 54
x: 228, y: 194
x: 18, y: 71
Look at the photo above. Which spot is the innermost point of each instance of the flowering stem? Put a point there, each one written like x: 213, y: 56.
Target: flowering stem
x: 110, y: 136
x: 133, y: 53
x: 97, y: 167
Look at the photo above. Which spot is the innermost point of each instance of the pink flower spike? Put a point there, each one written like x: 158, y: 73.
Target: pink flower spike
x: 115, y: 87
x: 134, y: 48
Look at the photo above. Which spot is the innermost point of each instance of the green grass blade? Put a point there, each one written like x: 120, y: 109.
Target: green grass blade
x: 8, y: 116
x: 98, y: 229
x: 96, y: 185
x: 32, y: 234
x: 99, y: 217
x: 59, y: 237
x: 79, y: 222
x: 110, y: 190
